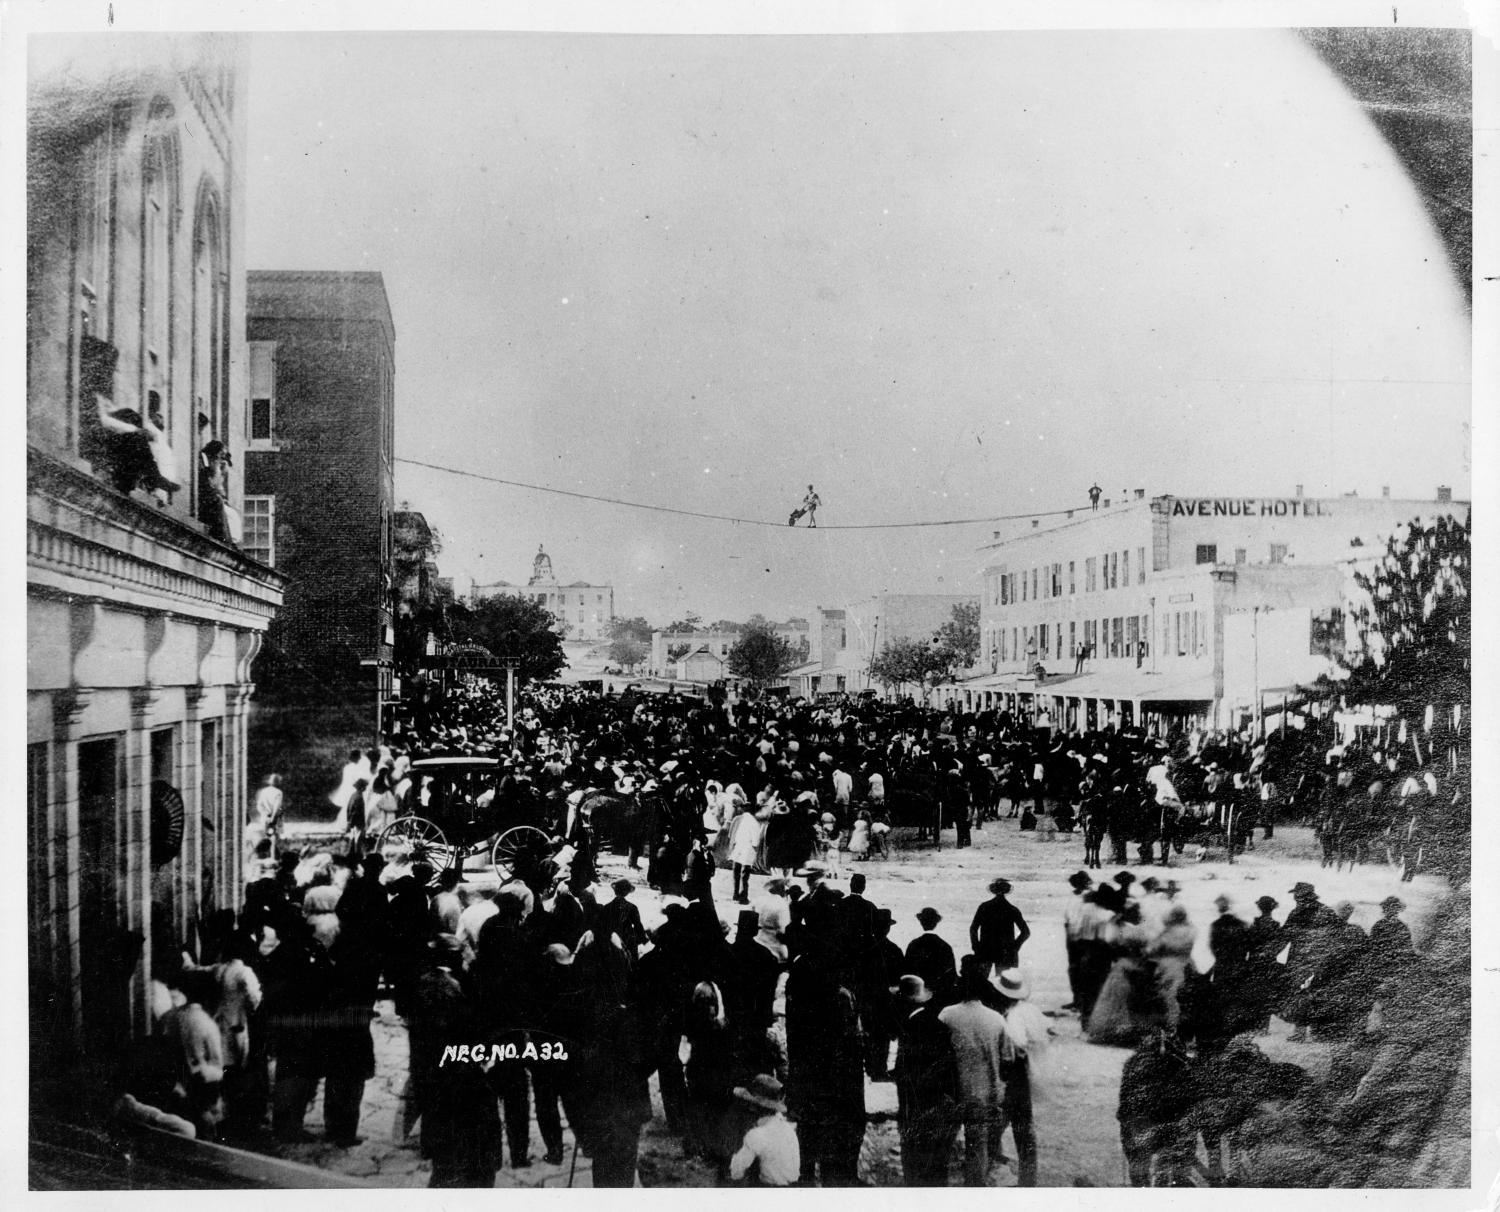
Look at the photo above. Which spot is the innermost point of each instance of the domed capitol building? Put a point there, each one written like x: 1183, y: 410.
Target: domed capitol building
x: 586, y: 609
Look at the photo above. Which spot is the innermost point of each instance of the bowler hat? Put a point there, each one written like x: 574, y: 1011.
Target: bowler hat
x: 1000, y: 885
x: 762, y: 1090
x: 929, y: 916
x: 1081, y: 879
x: 1303, y: 888
x: 914, y: 989
x: 623, y: 887
x: 1266, y: 903
x: 1393, y: 900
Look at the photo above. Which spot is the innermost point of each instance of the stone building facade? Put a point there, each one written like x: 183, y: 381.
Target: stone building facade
x: 144, y: 617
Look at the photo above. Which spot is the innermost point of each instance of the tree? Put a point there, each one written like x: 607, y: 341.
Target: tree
x: 513, y: 628
x: 958, y: 639
x: 627, y: 651
x: 907, y: 662
x: 761, y: 656
x: 1414, y: 629
x: 1413, y: 658
x: 691, y: 621
x: 633, y: 629
x: 675, y: 652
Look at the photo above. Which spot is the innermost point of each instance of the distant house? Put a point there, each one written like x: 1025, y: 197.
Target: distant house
x: 701, y: 665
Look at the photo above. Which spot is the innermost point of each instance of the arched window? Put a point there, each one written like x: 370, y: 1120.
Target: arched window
x: 159, y: 205
x: 209, y: 411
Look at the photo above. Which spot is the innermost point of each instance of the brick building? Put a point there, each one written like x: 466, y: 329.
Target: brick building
x: 142, y: 625
x: 319, y: 500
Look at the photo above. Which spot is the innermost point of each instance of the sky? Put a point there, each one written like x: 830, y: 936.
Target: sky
x: 938, y: 276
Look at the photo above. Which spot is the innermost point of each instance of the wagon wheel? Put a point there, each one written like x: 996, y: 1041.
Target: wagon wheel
x: 516, y: 846
x: 423, y: 840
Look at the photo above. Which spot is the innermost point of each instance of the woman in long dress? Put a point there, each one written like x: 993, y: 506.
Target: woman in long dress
x: 1124, y: 1003
x: 1171, y: 956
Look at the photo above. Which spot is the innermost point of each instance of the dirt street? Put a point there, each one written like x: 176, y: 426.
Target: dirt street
x: 1076, y: 1086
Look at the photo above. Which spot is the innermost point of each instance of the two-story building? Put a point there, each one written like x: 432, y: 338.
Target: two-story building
x: 846, y: 640
x: 1180, y: 607
x: 144, y: 615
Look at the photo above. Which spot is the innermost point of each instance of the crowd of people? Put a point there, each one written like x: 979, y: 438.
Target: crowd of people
x: 786, y: 1002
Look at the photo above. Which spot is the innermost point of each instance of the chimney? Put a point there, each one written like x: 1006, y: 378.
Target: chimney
x: 1140, y: 494
x: 1385, y: 491
x: 1299, y: 490
x: 1445, y: 494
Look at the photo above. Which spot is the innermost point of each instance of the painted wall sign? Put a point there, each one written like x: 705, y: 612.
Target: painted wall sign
x: 1248, y: 507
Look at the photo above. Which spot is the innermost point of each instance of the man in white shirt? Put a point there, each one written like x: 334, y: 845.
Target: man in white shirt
x: 770, y: 1146
x: 843, y: 787
x: 978, y: 1035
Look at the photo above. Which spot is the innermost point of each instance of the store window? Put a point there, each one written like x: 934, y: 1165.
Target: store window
x: 1278, y: 553
x: 1140, y: 563
x: 1240, y: 555
x: 1208, y: 553
x: 1072, y: 585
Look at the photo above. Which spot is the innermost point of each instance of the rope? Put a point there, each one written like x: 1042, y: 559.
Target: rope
x: 719, y: 517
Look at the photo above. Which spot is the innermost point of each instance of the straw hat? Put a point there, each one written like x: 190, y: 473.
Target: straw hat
x: 762, y: 1091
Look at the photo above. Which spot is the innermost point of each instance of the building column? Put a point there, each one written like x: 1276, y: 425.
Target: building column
x: 237, y: 713
x: 68, y: 710
x: 191, y: 856
x: 144, y: 701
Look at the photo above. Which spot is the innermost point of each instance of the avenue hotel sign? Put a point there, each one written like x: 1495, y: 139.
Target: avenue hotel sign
x: 1247, y: 507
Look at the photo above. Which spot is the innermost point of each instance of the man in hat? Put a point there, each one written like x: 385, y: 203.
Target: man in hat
x: 1265, y: 979
x: 1391, y: 947
x: 926, y: 1087
x: 998, y: 930
x: 769, y: 1156
x: 460, y: 1118
x: 978, y: 1035
x: 930, y: 957
x: 620, y: 916
x: 1026, y: 1033
x: 815, y: 912
x: 1308, y: 928
x: 1073, y: 915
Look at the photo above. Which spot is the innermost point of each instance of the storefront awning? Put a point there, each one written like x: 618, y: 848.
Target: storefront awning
x: 1135, y: 687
